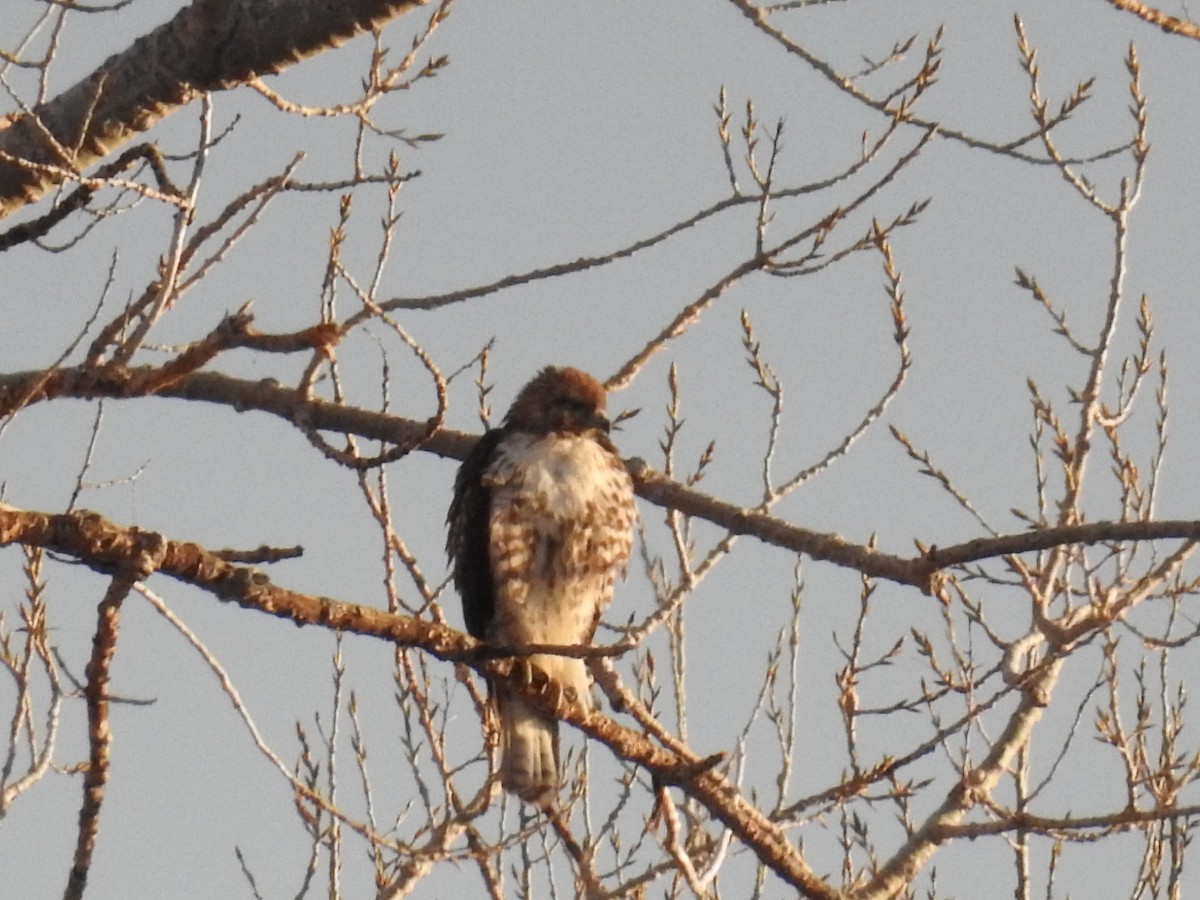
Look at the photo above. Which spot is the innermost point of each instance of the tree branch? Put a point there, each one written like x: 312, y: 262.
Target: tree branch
x: 139, y: 561
x: 923, y: 571
x: 209, y: 45
x: 105, y: 547
x: 1169, y: 24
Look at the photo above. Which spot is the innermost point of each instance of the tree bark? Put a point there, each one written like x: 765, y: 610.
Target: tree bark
x: 209, y: 45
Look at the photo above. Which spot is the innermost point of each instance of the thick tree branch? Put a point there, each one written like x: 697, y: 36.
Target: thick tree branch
x: 209, y: 45
x: 106, y: 547
x: 139, y: 561
x: 923, y: 571
x: 976, y: 784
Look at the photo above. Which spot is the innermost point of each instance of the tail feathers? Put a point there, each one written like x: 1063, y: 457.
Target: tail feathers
x: 528, y: 751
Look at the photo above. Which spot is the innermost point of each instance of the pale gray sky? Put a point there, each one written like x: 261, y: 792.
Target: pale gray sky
x: 573, y: 129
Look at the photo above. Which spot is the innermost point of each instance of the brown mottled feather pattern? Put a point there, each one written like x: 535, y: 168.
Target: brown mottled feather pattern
x: 541, y: 526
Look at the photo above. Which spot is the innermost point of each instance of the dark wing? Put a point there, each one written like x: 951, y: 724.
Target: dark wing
x: 467, y: 539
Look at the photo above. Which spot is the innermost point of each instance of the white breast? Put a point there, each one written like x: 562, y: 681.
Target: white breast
x: 568, y: 474
x: 561, y: 529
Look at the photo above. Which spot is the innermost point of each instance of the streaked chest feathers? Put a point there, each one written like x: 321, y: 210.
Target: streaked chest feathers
x: 560, y: 530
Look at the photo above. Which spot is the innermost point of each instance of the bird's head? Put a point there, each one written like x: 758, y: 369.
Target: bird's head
x: 559, y: 400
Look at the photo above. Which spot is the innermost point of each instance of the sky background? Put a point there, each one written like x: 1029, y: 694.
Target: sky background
x: 573, y: 129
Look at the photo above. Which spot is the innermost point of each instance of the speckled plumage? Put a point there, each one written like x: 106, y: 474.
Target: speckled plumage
x: 541, y: 526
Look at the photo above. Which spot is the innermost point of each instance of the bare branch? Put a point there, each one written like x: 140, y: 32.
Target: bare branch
x: 161, y: 71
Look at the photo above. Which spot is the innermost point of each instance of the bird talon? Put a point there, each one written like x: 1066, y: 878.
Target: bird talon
x: 523, y: 672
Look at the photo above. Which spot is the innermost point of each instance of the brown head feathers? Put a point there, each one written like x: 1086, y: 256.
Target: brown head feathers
x: 559, y: 400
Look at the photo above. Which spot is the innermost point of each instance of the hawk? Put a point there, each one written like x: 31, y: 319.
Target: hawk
x: 540, y: 528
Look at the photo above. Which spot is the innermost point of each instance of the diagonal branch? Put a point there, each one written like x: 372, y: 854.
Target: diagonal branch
x: 975, y: 784
x: 209, y: 45
x: 760, y: 17
x: 1167, y: 23
x: 105, y: 546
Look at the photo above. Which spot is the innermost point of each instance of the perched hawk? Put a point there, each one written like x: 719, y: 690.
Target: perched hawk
x: 540, y: 527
